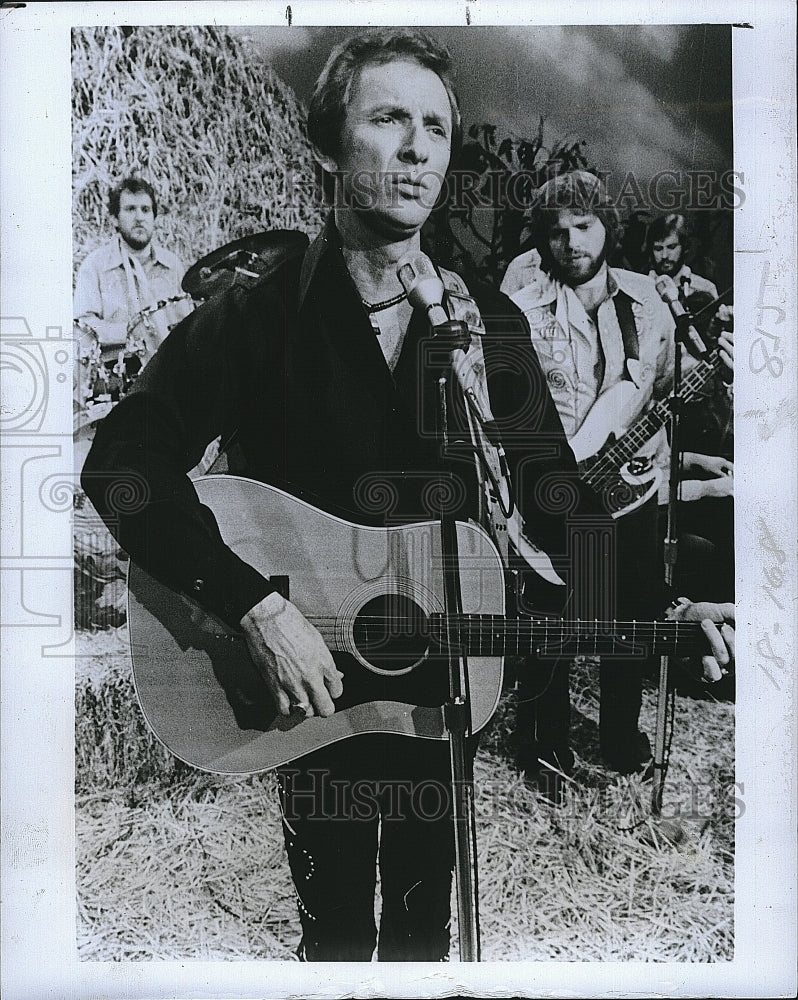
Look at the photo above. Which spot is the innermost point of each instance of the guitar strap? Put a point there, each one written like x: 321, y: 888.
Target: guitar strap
x: 498, y: 513
x: 492, y: 474
x: 626, y: 321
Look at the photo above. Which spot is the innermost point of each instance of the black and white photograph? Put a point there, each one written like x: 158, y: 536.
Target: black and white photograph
x: 404, y: 548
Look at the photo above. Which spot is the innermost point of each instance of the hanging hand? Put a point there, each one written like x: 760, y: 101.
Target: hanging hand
x: 722, y: 326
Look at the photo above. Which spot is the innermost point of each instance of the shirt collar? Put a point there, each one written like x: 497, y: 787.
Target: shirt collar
x: 544, y: 291
x: 328, y: 239
x: 625, y: 281
x: 159, y: 254
x: 117, y: 253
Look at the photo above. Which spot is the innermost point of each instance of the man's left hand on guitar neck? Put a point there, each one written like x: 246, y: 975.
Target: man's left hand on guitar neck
x: 717, y: 623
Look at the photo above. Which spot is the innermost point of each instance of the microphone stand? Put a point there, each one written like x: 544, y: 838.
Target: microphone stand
x: 457, y: 710
x: 670, y: 551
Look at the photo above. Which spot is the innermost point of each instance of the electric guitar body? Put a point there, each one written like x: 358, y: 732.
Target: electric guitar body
x: 606, y: 445
x: 623, y: 485
x: 609, y: 418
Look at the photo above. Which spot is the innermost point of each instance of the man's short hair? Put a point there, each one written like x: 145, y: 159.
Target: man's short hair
x: 661, y: 228
x: 135, y: 185
x: 576, y: 191
x: 327, y: 109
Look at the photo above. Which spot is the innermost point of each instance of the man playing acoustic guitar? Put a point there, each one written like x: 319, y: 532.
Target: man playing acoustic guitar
x: 317, y: 373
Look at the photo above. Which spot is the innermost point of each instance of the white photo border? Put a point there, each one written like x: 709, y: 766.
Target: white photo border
x: 38, y: 877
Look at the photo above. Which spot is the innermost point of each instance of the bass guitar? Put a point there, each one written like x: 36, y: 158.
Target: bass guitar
x: 605, y: 455
x: 376, y: 597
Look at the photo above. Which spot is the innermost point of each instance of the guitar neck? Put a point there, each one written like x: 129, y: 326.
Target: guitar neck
x: 494, y: 635
x: 648, y: 425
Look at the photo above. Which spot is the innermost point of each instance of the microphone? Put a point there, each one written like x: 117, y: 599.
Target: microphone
x: 423, y: 286
x: 666, y: 289
x: 424, y: 290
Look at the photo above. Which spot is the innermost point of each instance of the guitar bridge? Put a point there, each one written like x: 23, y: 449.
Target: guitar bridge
x: 640, y: 466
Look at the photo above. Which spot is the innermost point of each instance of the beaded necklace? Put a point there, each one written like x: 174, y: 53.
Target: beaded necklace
x: 379, y: 306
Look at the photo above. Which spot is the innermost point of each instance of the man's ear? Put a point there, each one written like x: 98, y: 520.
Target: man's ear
x: 327, y: 163
x: 329, y: 168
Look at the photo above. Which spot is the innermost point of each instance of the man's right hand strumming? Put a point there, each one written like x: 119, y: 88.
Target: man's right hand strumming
x: 291, y: 655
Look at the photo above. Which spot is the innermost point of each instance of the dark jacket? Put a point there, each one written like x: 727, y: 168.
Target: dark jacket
x: 293, y: 369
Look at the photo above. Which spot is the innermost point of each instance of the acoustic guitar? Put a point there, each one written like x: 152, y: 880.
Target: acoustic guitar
x: 376, y: 596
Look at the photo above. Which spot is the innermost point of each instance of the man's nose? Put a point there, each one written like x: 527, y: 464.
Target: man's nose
x: 415, y: 144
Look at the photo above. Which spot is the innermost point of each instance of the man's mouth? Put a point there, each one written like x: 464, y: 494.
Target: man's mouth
x: 409, y: 184
x: 406, y: 189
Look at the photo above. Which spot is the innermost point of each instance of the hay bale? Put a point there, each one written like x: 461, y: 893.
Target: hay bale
x: 114, y: 748
x: 174, y: 864
x: 196, y: 112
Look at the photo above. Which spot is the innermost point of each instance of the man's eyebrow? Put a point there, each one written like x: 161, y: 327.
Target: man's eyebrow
x: 400, y: 110
x: 388, y: 106
x: 436, y: 119
x: 579, y: 220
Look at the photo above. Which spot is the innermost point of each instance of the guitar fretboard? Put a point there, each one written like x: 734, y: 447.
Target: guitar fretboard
x: 646, y: 427
x: 494, y: 635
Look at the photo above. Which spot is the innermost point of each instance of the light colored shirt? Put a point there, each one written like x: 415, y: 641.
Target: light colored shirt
x: 113, y: 286
x: 583, y: 358
x: 697, y: 283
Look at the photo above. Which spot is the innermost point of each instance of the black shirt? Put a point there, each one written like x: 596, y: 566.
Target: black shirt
x: 293, y: 370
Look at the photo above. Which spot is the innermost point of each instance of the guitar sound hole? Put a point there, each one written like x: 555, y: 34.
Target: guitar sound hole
x: 391, y: 632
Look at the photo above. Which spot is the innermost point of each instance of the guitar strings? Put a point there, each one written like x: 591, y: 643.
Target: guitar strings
x: 604, y: 466
x: 513, y: 622
x: 584, y: 631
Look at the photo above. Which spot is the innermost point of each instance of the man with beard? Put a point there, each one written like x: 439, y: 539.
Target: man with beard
x: 707, y: 420
x: 706, y: 512
x: 666, y: 243
x: 126, y: 277
x: 128, y: 274
x: 317, y: 371
x: 592, y: 327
